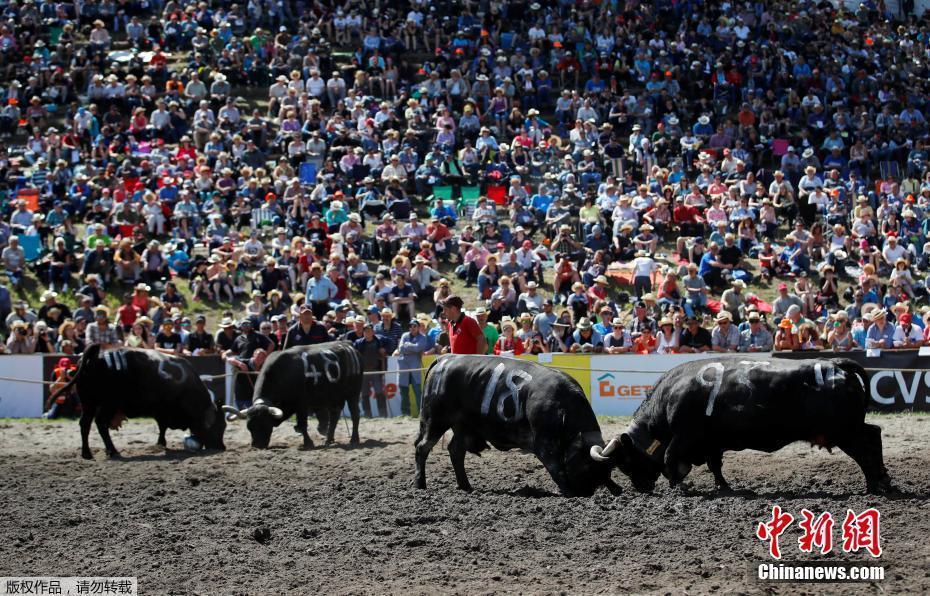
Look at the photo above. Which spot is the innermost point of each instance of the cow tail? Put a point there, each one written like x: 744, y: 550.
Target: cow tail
x: 862, y: 376
x: 90, y: 353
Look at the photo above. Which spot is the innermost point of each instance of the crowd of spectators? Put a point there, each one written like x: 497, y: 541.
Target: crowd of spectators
x: 601, y: 176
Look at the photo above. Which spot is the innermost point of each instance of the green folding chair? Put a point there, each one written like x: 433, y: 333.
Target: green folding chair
x: 442, y: 192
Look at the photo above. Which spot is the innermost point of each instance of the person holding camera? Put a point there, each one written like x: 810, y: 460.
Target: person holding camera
x: 20, y: 341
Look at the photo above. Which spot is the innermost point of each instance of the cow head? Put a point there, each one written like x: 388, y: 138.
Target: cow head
x: 585, y: 474
x: 262, y: 419
x: 634, y: 454
x: 214, y: 425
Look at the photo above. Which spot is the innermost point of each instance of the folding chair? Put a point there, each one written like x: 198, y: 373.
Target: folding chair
x: 31, y: 196
x: 498, y: 194
x: 31, y: 245
x: 442, y: 192
x: 468, y: 203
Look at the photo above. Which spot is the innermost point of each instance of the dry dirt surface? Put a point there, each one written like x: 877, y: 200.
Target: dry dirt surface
x: 347, y: 521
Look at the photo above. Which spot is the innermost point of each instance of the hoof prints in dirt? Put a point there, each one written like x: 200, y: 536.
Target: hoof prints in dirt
x: 347, y: 520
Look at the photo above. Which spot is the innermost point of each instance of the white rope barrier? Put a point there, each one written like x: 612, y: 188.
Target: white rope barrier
x: 406, y: 370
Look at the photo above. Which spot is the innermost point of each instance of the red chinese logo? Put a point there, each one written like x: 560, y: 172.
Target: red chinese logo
x: 862, y: 531
x: 774, y: 528
x: 818, y: 532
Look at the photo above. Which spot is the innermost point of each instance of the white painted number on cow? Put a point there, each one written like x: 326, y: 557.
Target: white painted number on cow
x: 827, y: 374
x: 115, y: 360
x: 166, y: 366
x: 743, y: 376
x: 437, y: 376
x: 331, y: 366
x: 310, y: 371
x: 713, y: 383
x: 514, y: 380
x: 206, y: 380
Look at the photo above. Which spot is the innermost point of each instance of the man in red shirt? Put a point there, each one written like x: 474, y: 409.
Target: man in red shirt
x: 465, y: 336
x: 688, y: 218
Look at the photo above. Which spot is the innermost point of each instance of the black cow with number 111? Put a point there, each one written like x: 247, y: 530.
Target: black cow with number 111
x: 511, y: 404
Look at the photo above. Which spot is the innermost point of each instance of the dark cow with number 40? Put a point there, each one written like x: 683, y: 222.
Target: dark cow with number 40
x: 304, y: 380
x: 511, y: 404
x: 127, y: 383
x: 701, y: 409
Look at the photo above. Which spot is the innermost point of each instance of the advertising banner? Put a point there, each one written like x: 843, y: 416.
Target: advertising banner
x: 620, y: 382
x: 20, y: 400
x: 899, y: 380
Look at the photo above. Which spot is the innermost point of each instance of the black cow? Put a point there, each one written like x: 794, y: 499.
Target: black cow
x: 511, y: 404
x: 702, y: 408
x: 132, y: 383
x: 301, y: 380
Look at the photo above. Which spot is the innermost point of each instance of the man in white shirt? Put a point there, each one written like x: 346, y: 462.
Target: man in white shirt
x: 893, y: 251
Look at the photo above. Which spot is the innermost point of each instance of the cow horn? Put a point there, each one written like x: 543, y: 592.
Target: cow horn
x: 602, y: 454
x: 236, y: 413
x: 276, y: 413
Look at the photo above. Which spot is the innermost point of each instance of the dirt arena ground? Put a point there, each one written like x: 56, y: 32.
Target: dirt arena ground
x: 340, y: 520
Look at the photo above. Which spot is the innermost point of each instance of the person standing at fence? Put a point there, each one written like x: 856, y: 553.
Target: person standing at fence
x: 247, y: 356
x: 372, y: 353
x: 411, y: 348
x: 320, y: 291
x: 465, y: 335
x: 306, y: 331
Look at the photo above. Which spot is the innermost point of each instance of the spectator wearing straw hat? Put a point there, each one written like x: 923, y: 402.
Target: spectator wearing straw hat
x: 756, y: 338
x: 880, y: 334
x: 586, y: 338
x: 724, y: 337
x: 508, y: 344
x: 101, y: 331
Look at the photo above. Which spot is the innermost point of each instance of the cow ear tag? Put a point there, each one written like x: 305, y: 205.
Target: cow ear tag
x: 652, y: 448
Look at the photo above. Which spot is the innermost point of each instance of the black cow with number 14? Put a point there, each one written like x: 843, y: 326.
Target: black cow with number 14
x: 511, y: 404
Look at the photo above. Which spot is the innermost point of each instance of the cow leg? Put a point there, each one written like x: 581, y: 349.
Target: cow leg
x: 353, y: 412
x: 866, y: 450
x: 332, y: 421
x: 87, y: 417
x: 322, y: 422
x: 161, y: 433
x: 676, y: 465
x: 548, y: 455
x: 715, y: 465
x: 457, y: 455
x: 425, y: 442
x: 301, y: 427
x: 103, y: 427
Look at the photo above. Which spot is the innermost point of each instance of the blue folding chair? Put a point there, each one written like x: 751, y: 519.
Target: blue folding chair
x: 31, y: 245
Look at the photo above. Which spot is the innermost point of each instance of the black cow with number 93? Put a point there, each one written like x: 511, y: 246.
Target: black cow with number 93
x: 511, y: 404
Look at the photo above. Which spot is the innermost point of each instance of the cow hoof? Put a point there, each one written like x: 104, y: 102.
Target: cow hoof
x: 307, y: 446
x: 419, y: 484
x: 355, y: 441
x: 87, y: 455
x: 114, y: 454
x: 467, y: 488
x: 883, y: 487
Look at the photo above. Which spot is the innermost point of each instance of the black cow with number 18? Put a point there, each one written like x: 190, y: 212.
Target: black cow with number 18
x: 511, y: 404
